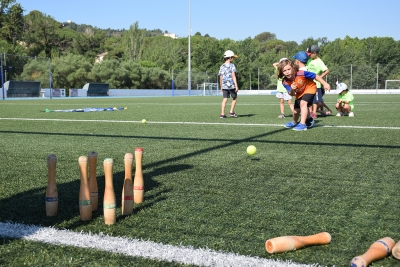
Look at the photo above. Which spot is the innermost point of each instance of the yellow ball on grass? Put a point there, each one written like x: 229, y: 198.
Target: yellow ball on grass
x: 251, y: 150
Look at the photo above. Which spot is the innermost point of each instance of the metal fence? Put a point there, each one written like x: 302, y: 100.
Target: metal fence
x: 355, y: 76
x: 23, y: 68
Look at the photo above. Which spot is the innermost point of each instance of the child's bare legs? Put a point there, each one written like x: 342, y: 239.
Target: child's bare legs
x: 282, y: 105
x: 323, y: 105
x: 315, y: 107
x: 290, y: 105
x: 343, y: 108
x: 233, y: 104
x: 296, y: 114
x: 303, y: 111
x: 223, y: 105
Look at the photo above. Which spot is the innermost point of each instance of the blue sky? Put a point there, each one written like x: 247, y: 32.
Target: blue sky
x: 234, y: 19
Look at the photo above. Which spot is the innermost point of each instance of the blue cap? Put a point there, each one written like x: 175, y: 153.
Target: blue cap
x: 301, y: 56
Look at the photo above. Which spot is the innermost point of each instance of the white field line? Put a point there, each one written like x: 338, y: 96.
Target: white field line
x: 205, y: 123
x: 186, y: 104
x: 138, y: 248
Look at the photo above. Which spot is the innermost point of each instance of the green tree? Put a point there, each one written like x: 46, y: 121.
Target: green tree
x: 165, y: 52
x: 113, y: 45
x: 89, y: 43
x: 133, y: 42
x: 65, y: 45
x: 108, y: 71
x: 11, y: 21
x: 131, y: 74
x: 265, y: 36
x: 70, y: 71
x: 41, y: 33
x: 384, y: 50
x: 37, y: 70
x: 345, y: 52
x: 247, y: 63
x: 206, y: 54
x: 155, y: 78
x: 321, y: 42
x: 14, y: 56
x: 181, y: 78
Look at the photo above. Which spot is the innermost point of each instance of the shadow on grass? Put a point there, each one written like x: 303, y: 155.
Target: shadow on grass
x: 246, y: 115
x: 28, y: 207
x: 229, y: 141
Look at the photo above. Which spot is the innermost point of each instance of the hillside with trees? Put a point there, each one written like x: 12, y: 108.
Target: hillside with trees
x: 35, y: 45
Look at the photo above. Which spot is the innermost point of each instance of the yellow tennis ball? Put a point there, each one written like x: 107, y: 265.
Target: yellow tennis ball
x: 251, y: 150
x: 144, y: 121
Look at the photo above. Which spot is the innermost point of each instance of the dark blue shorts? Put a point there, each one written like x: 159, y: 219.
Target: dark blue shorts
x: 226, y: 93
x: 318, y: 96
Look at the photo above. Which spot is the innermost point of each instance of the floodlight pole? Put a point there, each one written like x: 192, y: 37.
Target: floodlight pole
x: 189, y: 68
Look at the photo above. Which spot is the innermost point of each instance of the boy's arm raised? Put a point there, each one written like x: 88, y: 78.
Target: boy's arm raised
x: 325, y: 84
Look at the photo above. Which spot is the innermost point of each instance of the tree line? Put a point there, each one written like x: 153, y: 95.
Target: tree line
x: 35, y: 45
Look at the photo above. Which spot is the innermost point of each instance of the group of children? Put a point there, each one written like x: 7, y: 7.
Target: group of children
x: 301, y: 78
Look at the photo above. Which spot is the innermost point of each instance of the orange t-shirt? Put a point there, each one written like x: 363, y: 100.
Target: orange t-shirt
x: 310, y: 88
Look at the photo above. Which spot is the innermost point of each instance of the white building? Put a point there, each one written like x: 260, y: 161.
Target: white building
x: 172, y: 35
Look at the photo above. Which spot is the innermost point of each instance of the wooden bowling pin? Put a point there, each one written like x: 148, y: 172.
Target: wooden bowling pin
x: 127, y: 189
x: 378, y: 250
x: 396, y: 250
x: 94, y: 191
x: 290, y: 243
x: 51, y: 199
x: 85, y: 202
x: 109, y: 202
x: 138, y: 183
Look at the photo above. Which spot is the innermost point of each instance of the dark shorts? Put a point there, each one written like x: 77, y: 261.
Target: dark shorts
x: 227, y: 93
x: 306, y: 97
x: 318, y: 96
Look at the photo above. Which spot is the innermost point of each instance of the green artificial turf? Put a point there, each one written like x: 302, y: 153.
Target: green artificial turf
x: 201, y: 188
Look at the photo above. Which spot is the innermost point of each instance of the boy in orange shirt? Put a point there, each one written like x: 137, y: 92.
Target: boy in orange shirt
x: 288, y: 71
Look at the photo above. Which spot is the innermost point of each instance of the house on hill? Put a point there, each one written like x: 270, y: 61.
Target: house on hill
x: 172, y: 35
x: 99, y: 57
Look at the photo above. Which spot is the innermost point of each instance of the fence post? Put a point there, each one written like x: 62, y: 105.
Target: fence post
x: 250, y: 80
x: 50, y: 81
x: 377, y: 76
x: 2, y: 80
x: 351, y: 76
x: 172, y: 83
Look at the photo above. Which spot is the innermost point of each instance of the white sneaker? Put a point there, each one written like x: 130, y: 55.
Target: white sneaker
x: 340, y: 114
x: 351, y: 114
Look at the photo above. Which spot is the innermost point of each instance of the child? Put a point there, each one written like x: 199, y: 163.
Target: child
x: 323, y: 109
x: 315, y: 64
x: 304, y: 98
x: 301, y: 59
x: 228, y: 82
x: 282, y: 93
x: 344, y: 104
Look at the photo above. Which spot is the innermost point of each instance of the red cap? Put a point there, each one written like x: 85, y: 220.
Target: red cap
x: 138, y: 149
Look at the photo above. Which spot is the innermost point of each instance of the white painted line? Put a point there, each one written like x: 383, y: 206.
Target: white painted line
x: 206, y: 123
x: 138, y: 248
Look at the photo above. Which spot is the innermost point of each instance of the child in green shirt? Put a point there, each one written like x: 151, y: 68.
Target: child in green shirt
x: 344, y: 104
